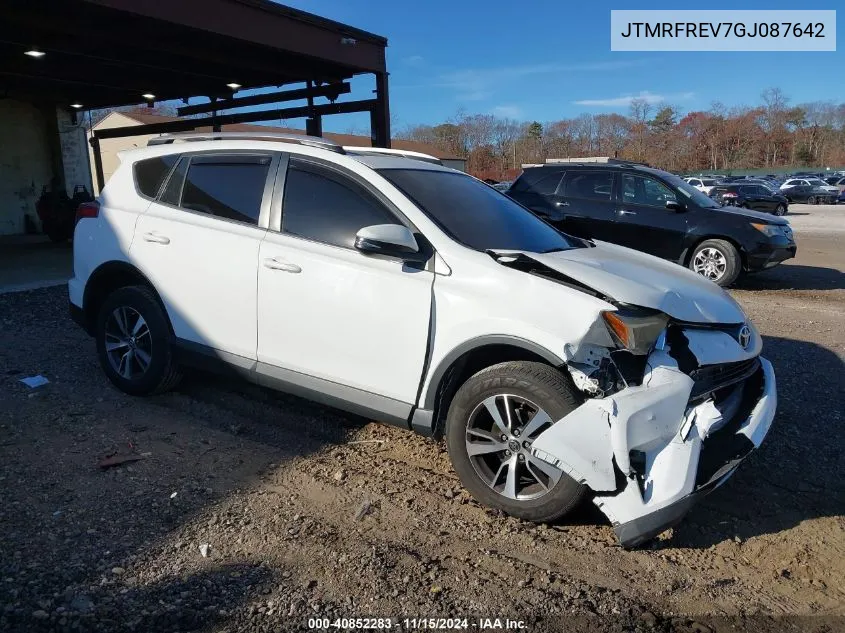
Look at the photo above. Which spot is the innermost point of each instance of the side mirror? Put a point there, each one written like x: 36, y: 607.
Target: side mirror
x: 394, y: 240
x: 674, y: 205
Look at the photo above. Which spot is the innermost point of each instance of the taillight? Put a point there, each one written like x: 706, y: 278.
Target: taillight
x: 87, y: 210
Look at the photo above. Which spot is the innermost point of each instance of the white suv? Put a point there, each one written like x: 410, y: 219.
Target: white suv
x: 417, y: 295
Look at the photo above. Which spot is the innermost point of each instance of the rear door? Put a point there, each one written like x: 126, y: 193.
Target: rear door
x: 644, y: 222
x: 585, y: 198
x: 198, y: 244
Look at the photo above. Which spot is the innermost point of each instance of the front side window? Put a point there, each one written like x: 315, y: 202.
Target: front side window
x: 646, y: 191
x: 151, y: 172
x: 229, y: 187
x: 588, y: 185
x: 323, y: 205
x: 474, y: 214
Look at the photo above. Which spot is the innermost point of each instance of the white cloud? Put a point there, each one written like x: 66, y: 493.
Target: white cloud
x: 414, y: 60
x: 625, y: 100
x: 507, y: 111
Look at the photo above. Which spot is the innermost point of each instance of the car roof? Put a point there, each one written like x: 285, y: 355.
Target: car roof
x: 398, y: 162
x: 374, y: 161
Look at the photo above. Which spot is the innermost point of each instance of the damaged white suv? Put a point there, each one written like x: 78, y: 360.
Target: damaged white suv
x: 417, y: 295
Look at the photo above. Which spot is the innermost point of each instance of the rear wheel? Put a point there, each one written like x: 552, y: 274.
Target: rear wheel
x: 717, y: 260
x: 493, y: 420
x: 811, y: 200
x: 780, y: 209
x: 133, y: 342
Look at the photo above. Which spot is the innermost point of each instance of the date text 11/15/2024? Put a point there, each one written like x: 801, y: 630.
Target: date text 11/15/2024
x: 416, y: 624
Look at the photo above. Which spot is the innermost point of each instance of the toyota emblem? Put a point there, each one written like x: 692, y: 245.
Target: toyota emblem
x: 744, y: 337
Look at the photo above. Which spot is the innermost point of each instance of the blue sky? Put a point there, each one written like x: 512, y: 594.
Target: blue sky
x: 550, y: 60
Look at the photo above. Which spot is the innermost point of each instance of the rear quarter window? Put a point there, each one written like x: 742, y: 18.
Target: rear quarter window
x: 538, y: 181
x: 150, y: 174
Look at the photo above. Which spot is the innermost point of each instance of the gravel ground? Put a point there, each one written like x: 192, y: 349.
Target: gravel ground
x: 303, y: 511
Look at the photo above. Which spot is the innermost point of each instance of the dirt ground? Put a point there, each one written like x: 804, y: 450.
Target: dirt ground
x: 307, y: 512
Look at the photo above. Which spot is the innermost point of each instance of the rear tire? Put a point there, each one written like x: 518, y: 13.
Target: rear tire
x: 716, y: 260
x: 780, y: 210
x: 133, y: 342
x: 811, y: 200
x: 517, y: 483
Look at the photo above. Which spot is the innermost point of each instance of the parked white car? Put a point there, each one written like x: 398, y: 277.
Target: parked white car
x: 416, y: 295
x: 704, y: 185
x: 809, y: 182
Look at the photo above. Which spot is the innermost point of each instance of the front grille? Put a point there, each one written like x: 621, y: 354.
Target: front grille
x: 709, y: 378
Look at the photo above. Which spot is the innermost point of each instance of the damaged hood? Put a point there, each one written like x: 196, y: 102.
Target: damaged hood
x: 632, y: 277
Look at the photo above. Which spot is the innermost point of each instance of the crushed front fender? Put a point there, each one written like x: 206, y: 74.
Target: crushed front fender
x: 649, y: 453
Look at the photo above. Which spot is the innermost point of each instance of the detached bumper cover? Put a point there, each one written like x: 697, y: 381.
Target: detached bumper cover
x: 650, y: 452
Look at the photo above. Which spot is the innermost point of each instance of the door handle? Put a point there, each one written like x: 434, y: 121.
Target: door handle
x: 561, y: 204
x: 156, y: 238
x: 277, y: 264
x: 626, y: 212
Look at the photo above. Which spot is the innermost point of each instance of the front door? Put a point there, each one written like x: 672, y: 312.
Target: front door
x: 326, y: 311
x: 198, y: 245
x: 643, y: 221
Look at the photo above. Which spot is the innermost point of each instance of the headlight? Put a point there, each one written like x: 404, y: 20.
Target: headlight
x: 771, y: 230
x: 635, y: 329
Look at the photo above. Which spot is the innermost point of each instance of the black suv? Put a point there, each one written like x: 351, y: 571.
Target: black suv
x: 656, y: 212
x: 750, y: 196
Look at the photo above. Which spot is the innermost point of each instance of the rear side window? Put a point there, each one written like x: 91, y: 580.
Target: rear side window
x: 229, y: 187
x: 589, y: 185
x: 151, y: 172
x: 538, y: 181
x: 325, y: 206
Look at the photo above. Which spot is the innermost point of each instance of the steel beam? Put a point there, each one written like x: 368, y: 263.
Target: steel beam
x: 331, y: 91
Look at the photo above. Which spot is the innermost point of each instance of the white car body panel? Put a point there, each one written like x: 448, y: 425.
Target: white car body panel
x: 205, y: 275
x: 638, y: 279
x: 366, y: 328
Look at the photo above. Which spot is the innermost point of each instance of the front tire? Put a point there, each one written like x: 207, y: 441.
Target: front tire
x: 133, y: 342
x: 716, y: 260
x: 516, y: 401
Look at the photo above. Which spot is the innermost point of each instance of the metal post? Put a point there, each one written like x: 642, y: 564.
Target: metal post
x: 215, y: 123
x: 380, y: 115
x: 314, y: 125
x: 98, y: 163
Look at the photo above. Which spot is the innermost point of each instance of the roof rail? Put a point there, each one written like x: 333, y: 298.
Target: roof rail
x: 381, y: 151
x: 301, y: 139
x: 593, y: 160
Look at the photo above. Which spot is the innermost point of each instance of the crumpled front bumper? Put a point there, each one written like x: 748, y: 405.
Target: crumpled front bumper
x: 649, y: 452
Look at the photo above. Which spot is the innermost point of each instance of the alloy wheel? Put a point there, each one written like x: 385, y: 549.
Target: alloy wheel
x: 811, y: 200
x: 710, y: 263
x: 128, y: 342
x: 499, y: 435
x: 780, y: 210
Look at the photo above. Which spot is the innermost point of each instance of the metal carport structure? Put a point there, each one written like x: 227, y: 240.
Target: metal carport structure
x: 86, y: 54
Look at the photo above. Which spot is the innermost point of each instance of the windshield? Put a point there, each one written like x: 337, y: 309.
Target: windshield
x: 700, y: 199
x: 475, y: 214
